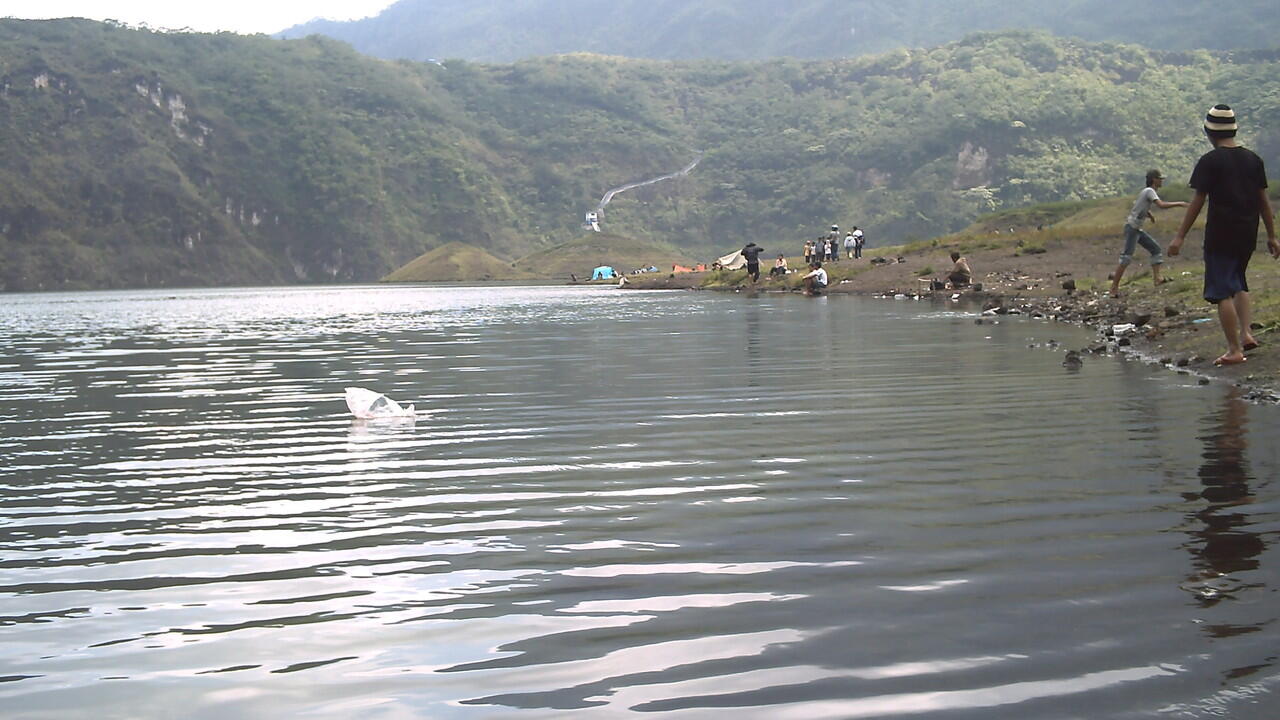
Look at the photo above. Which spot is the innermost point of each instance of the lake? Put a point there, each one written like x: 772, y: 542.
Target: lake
x: 614, y: 504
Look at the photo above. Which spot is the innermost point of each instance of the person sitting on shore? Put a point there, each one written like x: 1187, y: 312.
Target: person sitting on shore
x: 961, y: 275
x: 779, y: 267
x: 816, y: 280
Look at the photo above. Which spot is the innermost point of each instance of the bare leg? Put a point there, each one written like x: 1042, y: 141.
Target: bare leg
x: 1231, y: 329
x: 1245, y: 315
x: 1155, y: 274
x: 1115, y: 280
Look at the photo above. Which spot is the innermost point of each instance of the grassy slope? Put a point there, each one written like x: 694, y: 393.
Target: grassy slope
x: 456, y: 262
x: 579, y: 256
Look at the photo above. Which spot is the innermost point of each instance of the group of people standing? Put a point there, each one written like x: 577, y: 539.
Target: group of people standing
x: 827, y: 247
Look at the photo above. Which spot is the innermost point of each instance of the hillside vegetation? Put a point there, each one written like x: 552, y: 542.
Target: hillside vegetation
x: 505, y: 31
x: 137, y: 158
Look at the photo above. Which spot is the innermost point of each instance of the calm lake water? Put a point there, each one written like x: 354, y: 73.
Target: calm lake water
x: 616, y: 503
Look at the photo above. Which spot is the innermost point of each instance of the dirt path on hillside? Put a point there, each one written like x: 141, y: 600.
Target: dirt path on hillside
x: 608, y: 196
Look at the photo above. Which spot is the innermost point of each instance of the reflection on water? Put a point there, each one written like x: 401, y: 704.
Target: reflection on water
x: 615, y: 503
x: 1226, y: 548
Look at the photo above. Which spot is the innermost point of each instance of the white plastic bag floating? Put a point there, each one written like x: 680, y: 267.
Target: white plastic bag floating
x: 369, y: 405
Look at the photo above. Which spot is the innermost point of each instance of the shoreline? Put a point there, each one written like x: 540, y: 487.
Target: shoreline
x: 1064, y: 279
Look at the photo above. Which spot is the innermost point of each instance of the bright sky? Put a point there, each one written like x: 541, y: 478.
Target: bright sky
x: 242, y: 16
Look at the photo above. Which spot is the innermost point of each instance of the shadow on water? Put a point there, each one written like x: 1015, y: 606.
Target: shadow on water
x: 1224, y: 551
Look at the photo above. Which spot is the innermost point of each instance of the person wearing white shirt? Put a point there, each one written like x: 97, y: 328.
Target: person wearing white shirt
x: 816, y: 280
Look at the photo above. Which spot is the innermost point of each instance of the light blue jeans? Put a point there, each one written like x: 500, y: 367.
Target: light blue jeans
x: 1134, y: 237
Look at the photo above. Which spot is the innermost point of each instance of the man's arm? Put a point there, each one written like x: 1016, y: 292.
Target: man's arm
x: 1166, y: 205
x: 1268, y: 219
x: 1189, y: 219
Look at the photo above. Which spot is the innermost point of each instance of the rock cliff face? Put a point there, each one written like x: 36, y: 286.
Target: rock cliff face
x: 973, y: 167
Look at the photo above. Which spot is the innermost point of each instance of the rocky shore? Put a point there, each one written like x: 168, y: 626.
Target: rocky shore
x: 1060, y: 275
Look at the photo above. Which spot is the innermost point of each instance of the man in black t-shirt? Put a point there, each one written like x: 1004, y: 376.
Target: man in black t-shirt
x: 1234, y: 181
x: 751, y: 253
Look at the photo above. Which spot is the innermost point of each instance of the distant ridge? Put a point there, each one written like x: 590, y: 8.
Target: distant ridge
x: 505, y: 31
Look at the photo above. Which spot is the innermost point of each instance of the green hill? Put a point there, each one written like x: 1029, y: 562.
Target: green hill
x: 578, y: 257
x: 505, y: 31
x: 456, y: 262
x: 140, y: 158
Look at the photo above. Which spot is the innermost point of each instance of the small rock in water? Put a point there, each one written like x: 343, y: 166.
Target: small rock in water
x: 1073, y: 359
x: 1203, y: 381
x: 1171, y: 311
x: 1068, y: 284
x: 1124, y: 342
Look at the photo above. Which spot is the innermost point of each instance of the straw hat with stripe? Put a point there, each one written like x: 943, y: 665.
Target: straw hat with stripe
x: 1221, y: 119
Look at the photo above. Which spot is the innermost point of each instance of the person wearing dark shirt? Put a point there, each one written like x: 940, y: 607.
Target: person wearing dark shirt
x: 1234, y: 182
x: 751, y: 253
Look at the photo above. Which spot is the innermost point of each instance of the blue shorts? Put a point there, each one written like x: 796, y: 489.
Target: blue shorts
x: 1132, y: 238
x: 1224, y: 275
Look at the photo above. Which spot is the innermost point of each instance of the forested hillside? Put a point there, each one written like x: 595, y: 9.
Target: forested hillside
x: 505, y: 31
x: 139, y: 158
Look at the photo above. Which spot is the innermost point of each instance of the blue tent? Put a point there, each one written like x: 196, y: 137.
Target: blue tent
x: 604, y: 272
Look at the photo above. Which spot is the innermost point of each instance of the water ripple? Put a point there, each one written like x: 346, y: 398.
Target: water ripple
x: 615, y: 503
